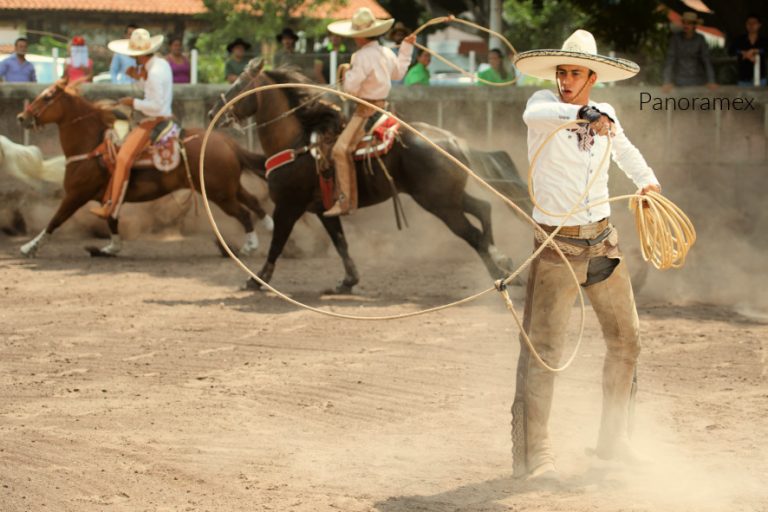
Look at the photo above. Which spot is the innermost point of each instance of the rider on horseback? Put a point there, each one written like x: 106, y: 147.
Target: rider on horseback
x: 156, y: 79
x: 369, y: 77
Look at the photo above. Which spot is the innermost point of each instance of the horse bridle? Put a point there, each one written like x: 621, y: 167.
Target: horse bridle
x: 55, y: 91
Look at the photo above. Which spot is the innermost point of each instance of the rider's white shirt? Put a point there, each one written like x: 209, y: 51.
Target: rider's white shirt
x: 158, y: 89
x: 373, y: 68
x: 563, y: 170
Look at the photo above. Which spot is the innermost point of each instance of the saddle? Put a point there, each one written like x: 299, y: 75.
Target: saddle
x: 164, y: 150
x: 381, y: 132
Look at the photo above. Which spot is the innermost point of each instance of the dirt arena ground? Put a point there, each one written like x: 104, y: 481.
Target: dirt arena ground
x: 149, y: 382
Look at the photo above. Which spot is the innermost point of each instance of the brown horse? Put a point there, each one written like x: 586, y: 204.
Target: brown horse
x: 287, y: 117
x: 82, y: 126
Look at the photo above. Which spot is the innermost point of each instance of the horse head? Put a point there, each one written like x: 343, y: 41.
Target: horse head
x: 236, y: 112
x: 47, y: 107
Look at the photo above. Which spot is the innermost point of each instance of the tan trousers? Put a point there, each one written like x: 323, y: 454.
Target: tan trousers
x: 550, y: 297
x: 346, y: 176
x: 135, y: 142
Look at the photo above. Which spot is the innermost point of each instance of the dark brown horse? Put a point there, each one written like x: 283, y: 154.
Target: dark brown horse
x: 82, y: 125
x: 417, y: 169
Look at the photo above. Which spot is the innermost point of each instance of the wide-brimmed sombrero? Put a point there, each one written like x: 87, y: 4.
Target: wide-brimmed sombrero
x: 362, y: 24
x: 140, y: 43
x: 579, y: 49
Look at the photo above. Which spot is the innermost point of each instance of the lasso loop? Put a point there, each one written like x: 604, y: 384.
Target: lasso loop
x: 656, y: 246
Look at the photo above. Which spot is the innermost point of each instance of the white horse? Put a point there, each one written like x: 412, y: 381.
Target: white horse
x: 24, y: 172
x: 26, y: 164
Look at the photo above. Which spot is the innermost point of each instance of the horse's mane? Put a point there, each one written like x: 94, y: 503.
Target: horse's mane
x: 319, y: 114
x: 104, y: 107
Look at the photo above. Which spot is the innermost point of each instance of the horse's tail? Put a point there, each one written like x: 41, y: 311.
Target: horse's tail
x: 253, y: 162
x: 53, y: 170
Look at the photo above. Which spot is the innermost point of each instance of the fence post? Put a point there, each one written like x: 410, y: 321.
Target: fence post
x: 25, y: 135
x: 334, y: 67
x: 193, y: 66
x: 472, y: 64
x: 756, y: 71
x: 55, y: 56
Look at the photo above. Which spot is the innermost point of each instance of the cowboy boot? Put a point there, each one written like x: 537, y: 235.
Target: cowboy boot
x: 614, y: 305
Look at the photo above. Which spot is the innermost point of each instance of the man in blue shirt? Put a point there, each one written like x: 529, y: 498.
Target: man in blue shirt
x: 16, y: 68
x: 121, y: 63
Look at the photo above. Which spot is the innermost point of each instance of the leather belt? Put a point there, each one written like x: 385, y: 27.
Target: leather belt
x: 584, y: 231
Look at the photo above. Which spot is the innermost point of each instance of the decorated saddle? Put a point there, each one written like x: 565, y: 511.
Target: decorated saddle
x: 162, y: 153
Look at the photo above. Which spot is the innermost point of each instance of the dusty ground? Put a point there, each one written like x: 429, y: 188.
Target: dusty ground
x: 150, y: 383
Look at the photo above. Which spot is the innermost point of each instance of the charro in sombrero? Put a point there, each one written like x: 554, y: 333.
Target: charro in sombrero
x: 579, y: 49
x: 362, y: 24
x: 140, y: 43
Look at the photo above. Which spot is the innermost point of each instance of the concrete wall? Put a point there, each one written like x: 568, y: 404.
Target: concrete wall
x: 491, y: 117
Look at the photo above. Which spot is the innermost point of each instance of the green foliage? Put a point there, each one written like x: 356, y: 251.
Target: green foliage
x: 635, y: 29
x: 535, y: 24
x: 253, y: 20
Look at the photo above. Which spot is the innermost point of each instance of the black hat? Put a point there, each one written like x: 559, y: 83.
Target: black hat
x: 287, y: 31
x: 238, y: 42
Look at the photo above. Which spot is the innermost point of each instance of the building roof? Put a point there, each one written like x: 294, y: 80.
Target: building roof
x: 179, y: 7
x: 343, y: 11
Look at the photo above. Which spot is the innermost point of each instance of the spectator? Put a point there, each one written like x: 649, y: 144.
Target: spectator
x: 746, y: 49
x: 397, y: 34
x: 495, y: 72
x: 78, y: 67
x: 180, y: 66
x: 286, y: 54
x: 688, y: 57
x: 16, y: 67
x: 236, y: 63
x: 323, y: 62
x: 418, y: 74
x: 120, y: 63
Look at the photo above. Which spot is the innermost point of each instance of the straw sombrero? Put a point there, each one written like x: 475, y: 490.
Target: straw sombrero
x: 140, y: 43
x: 362, y: 24
x: 579, y: 49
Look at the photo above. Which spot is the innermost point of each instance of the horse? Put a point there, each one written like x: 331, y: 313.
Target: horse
x: 82, y: 126
x: 414, y: 167
x: 24, y: 165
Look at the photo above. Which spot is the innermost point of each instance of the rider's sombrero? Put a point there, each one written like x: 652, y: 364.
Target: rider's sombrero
x: 140, y: 43
x: 579, y: 49
x: 362, y: 24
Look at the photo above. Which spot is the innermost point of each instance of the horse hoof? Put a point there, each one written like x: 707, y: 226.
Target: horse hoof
x: 28, y: 253
x: 222, y: 250
x: 268, y: 223
x: 95, y: 252
x: 251, y: 285
x: 341, y: 289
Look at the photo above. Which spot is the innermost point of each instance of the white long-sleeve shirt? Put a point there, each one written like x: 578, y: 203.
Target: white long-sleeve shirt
x: 373, y: 67
x: 563, y: 171
x: 158, y: 89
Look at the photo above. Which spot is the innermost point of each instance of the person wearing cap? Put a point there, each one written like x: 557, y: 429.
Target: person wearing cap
x: 237, y: 62
x: 566, y: 164
x: 369, y: 76
x: 16, y: 67
x: 687, y: 62
x: 154, y: 75
x: 397, y: 34
x: 78, y: 67
x: 286, y: 54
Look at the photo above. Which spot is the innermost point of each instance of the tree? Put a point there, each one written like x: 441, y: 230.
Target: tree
x: 255, y: 21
